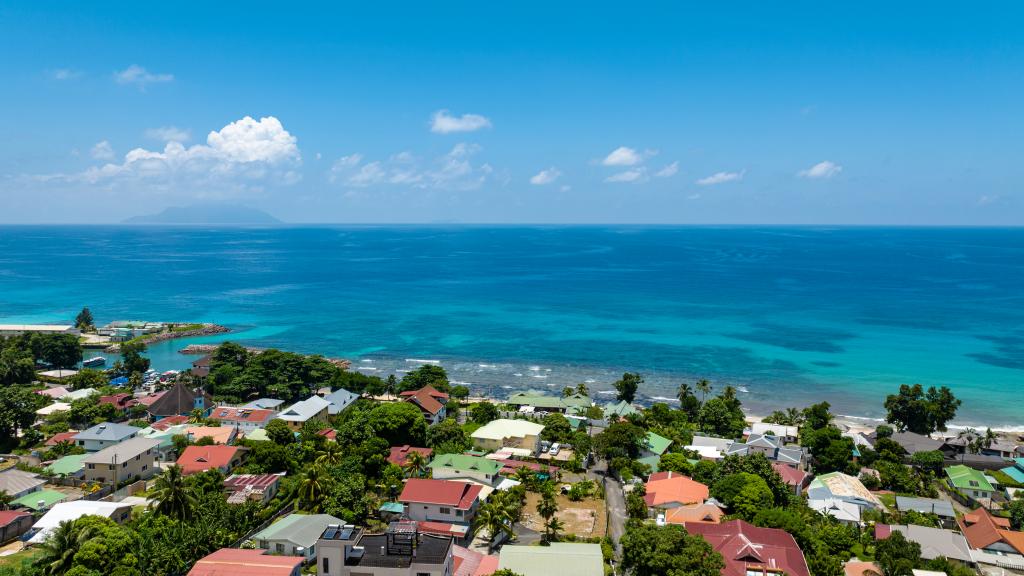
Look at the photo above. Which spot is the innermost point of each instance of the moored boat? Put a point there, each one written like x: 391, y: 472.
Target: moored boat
x: 95, y: 361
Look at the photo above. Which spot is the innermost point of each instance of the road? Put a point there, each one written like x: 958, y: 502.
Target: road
x: 615, y: 500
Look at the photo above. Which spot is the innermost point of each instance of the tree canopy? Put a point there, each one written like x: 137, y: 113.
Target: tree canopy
x: 923, y: 412
x: 650, y: 550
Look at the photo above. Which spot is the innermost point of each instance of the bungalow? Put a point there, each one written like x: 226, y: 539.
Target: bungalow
x: 430, y: 401
x: 539, y: 401
x: 264, y: 404
x: 313, y: 408
x: 201, y: 366
x: 795, y: 478
x: 837, y: 486
x: 71, y: 466
x: 68, y: 511
x: 844, y: 511
x: 59, y: 437
x: 502, y: 433
x: 294, y: 535
x: 339, y: 400
x: 399, y: 454
x: 17, y: 483
x: 671, y: 490
x: 40, y: 500
x: 943, y: 509
x: 53, y: 409
x: 990, y: 534
x: 465, y: 467
x: 440, y: 500
x: 749, y: 550
x: 706, y: 512
x: 773, y: 449
x: 708, y: 447
x: 233, y: 561
x: 103, y: 435
x: 181, y: 401
x: 565, y: 558
x: 619, y: 411
x: 121, y: 402
x: 13, y: 523
x: 218, y: 434
x: 245, y: 419
x: 654, y: 445
x: 934, y: 542
x: 969, y: 482
x: 242, y: 488
x: 202, y: 458
x: 135, y: 458
x: 996, y: 447
x: 785, y: 434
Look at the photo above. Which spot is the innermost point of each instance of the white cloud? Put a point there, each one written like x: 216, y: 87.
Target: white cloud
x: 622, y: 156
x: 140, y: 77
x: 242, y: 156
x: 452, y: 171
x: 668, y: 171
x: 693, y: 197
x: 546, y: 176
x: 444, y: 123
x: 634, y: 175
x: 102, y: 151
x: 721, y: 178
x: 169, y: 134
x: 65, y: 74
x: 821, y: 170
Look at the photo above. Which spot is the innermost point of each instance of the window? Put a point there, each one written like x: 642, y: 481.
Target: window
x: 459, y: 513
x: 92, y: 466
x: 327, y: 568
x: 279, y: 548
x: 446, y: 510
x: 124, y: 465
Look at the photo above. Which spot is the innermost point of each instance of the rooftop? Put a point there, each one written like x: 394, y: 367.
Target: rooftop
x: 672, y: 487
x: 201, y: 458
x: 400, y: 453
x: 32, y: 500
x: 256, y: 416
x: 427, y: 398
x: 108, y: 431
x: 67, y: 465
x: 339, y: 400
x: 504, y: 428
x: 839, y: 485
x: 744, y: 546
x: 120, y: 452
x: 460, y: 495
x: 237, y: 562
x: 966, y: 478
x: 943, y: 508
x: 14, y: 481
x: 304, y: 410
x: 393, y: 550
x: 657, y: 444
x: 561, y: 558
x: 465, y: 463
x: 299, y: 529
x: 935, y: 542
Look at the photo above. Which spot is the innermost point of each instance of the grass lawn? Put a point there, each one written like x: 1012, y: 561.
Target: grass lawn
x: 889, y: 500
x: 470, y: 427
x: 858, y: 551
x: 20, y: 560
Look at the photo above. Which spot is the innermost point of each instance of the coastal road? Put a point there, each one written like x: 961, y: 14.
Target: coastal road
x: 615, y: 500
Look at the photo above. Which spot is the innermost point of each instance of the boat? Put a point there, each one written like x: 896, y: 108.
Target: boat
x: 95, y: 361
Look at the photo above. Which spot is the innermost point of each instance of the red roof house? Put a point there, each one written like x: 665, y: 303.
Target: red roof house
x: 165, y: 423
x: 122, y: 401
x: 246, y: 419
x: 987, y: 532
x: 14, y: 523
x: 748, y: 549
x: 672, y: 489
x: 795, y: 479
x: 202, y: 458
x: 237, y: 562
x: 329, y: 433
x: 429, y: 400
x: 400, y: 453
x: 244, y: 487
x: 61, y: 437
x: 429, y: 500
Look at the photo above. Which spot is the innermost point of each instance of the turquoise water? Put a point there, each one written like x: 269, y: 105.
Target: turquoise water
x: 789, y: 315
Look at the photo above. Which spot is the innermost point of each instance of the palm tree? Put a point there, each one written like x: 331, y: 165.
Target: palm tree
x: 685, y: 391
x: 196, y: 416
x: 171, y: 495
x: 990, y: 437
x: 967, y: 435
x: 705, y: 388
x: 552, y: 528
x: 495, y: 519
x: 312, y: 488
x: 415, y: 464
x: 330, y: 455
x: 60, y: 547
x: 582, y: 389
x: 5, y: 499
x: 794, y: 416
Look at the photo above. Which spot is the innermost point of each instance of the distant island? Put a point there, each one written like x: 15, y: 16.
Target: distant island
x: 206, y: 214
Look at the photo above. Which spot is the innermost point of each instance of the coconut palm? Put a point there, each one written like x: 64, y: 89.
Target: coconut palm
x: 5, y: 499
x: 552, y: 529
x: 60, y: 547
x: 312, y: 489
x: 196, y: 416
x: 415, y: 464
x: 990, y: 437
x: 171, y: 495
x: 582, y: 389
x: 705, y: 388
x: 330, y: 455
x: 495, y: 519
x: 685, y: 391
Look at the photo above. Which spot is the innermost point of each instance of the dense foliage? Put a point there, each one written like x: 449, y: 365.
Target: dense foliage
x: 915, y: 410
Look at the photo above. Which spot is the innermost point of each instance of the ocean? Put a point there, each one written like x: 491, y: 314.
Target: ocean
x: 788, y: 315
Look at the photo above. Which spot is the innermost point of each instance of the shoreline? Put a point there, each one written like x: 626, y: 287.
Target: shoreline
x: 207, y: 329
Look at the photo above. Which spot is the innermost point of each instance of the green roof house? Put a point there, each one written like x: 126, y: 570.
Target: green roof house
x: 969, y: 481
x: 541, y: 401
x: 562, y: 558
x: 41, y: 500
x: 68, y: 466
x: 295, y: 534
x: 621, y: 410
x: 465, y: 467
x: 655, y: 445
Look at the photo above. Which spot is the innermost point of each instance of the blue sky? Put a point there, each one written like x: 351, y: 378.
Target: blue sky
x: 745, y: 112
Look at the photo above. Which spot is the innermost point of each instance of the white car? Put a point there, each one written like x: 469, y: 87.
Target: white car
x: 554, y: 449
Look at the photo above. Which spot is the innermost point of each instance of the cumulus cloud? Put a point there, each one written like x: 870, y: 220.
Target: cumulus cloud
x: 821, y: 170
x: 140, y: 77
x: 65, y: 74
x: 634, y: 175
x: 169, y: 134
x: 443, y: 122
x: 721, y: 178
x: 668, y: 171
x: 242, y: 156
x: 454, y: 170
x: 623, y: 156
x: 546, y: 176
x: 102, y: 151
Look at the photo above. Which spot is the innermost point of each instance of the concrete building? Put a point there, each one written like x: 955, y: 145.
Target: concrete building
x: 312, y: 408
x: 465, y: 467
x: 431, y: 402
x: 429, y: 500
x: 235, y: 562
x: 561, y: 558
x: 134, y: 458
x: 295, y: 535
x: 245, y: 419
x: 104, y: 435
x: 344, y: 550
x: 503, y: 433
x: 17, y: 483
x: 19, y: 329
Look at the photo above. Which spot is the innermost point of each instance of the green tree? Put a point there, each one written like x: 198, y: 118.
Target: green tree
x: 329, y: 455
x: 132, y: 358
x: 1016, y: 510
x: 60, y: 547
x: 279, y: 433
x: 717, y: 417
x: 495, y: 519
x: 483, y: 412
x: 752, y: 498
x: 636, y: 506
x: 620, y: 440
x: 447, y: 437
x: 675, y: 462
x: 59, y: 350
x: 427, y: 374
x: 84, y: 320
x: 313, y: 486
x: 704, y: 387
x: 556, y: 428
x: 18, y: 405
x: 88, y: 378
x: 171, y: 495
x: 649, y: 550
x: 930, y: 461
x: 897, y: 556
x: 16, y: 364
x: 688, y: 401
x: 415, y: 465
x: 817, y: 416
x: 627, y: 386
x: 398, y: 423
x: 920, y: 411
x: 547, y: 507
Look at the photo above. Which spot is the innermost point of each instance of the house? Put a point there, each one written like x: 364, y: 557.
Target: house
x: 17, y: 483
x: 842, y: 510
x: 121, y: 402
x: 839, y: 486
x: 339, y: 400
x: 244, y: 487
x: 245, y: 419
x: 59, y: 437
x: 202, y: 458
x: 1015, y: 472
x: 134, y: 458
x: 430, y: 401
x: 941, y: 508
x: 502, y: 433
x: 264, y: 404
x: 201, y: 366
x: 472, y: 563
x: 990, y: 534
x: 706, y: 512
x: 671, y: 490
x: 170, y: 422
x: 785, y: 434
x: 53, y: 409
x: 749, y: 550
x: 561, y: 558
x: 440, y: 500
x: 181, y: 401
x: 772, y: 448
x: 166, y: 450
x: 618, y: 411
x: 857, y: 568
x: 19, y: 329
x: 403, y: 550
x: 914, y: 443
x: 399, y: 454
x: 465, y: 467
x: 539, y: 401
x: 294, y: 535
x: 39, y: 500
x: 103, y: 435
x: 313, y: 408
x: 935, y: 542
x: 236, y: 562
x: 71, y: 466
x: 218, y: 434
x: 708, y: 447
x: 68, y: 511
x: 997, y: 447
x: 795, y: 478
x: 13, y: 523
x: 969, y: 482
x: 55, y: 392
x: 654, y: 445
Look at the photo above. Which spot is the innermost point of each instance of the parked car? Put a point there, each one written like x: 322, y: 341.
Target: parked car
x: 545, y: 445
x: 555, y: 448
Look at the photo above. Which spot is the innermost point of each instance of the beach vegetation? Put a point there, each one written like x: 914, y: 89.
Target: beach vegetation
x: 427, y: 374
x: 915, y: 410
x: 627, y: 386
x: 84, y: 321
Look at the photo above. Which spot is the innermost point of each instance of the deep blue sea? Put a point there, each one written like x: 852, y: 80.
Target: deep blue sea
x: 789, y: 315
